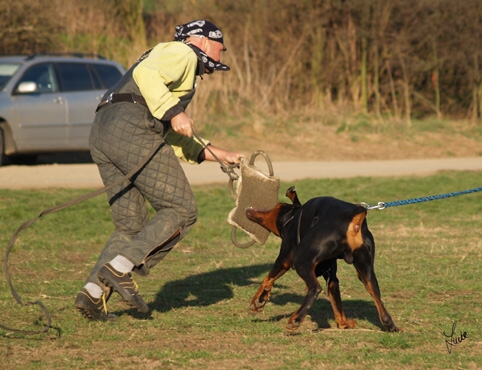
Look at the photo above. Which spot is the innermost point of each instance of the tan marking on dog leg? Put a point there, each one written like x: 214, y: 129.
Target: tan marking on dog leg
x: 262, y: 295
x: 264, y: 292
x: 383, y: 314
x: 334, y: 295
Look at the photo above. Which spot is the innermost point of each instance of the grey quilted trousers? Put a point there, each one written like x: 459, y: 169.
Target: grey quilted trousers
x: 122, y: 135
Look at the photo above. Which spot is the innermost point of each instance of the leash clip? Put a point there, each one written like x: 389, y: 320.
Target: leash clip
x: 379, y: 206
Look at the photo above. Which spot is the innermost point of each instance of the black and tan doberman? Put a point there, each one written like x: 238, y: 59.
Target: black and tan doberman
x: 313, y: 237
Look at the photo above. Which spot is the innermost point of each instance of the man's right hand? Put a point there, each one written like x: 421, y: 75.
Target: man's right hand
x: 182, y: 124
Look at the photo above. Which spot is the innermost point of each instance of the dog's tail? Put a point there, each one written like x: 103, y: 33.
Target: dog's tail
x: 354, y: 235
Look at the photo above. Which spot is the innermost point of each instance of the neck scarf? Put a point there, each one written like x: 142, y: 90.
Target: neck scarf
x: 210, y: 65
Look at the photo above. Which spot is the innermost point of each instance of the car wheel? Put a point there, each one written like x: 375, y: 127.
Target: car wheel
x: 2, y: 148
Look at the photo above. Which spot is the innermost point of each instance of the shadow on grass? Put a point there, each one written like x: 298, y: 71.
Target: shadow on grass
x: 204, y: 289
x: 207, y: 288
x: 212, y: 287
x: 321, y: 312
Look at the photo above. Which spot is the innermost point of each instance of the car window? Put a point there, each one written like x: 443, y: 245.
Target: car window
x: 74, y: 77
x: 43, y: 75
x: 7, y: 70
x: 96, y: 78
x: 108, y: 75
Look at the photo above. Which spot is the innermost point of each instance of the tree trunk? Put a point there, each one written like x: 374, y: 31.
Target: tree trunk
x: 406, y: 92
x: 476, y: 93
x: 393, y: 92
x: 436, y: 79
x: 376, y: 79
x: 364, y: 74
x: 365, y: 31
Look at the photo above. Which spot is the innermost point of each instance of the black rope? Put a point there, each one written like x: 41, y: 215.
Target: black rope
x: 46, y: 212
x: 229, y: 170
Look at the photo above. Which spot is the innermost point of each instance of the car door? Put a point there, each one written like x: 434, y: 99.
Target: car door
x: 83, y: 85
x: 81, y: 98
x: 41, y: 114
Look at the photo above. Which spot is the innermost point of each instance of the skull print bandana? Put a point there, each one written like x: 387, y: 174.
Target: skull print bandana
x: 202, y: 28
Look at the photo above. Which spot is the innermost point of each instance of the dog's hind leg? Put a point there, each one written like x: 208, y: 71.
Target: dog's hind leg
x: 333, y: 288
x: 307, y: 273
x: 366, y: 274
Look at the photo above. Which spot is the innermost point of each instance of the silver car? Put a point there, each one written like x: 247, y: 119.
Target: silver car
x: 48, y: 101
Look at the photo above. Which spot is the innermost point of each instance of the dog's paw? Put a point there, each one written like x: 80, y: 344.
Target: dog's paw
x: 395, y: 329
x: 256, y: 307
x: 348, y: 324
x: 293, y: 324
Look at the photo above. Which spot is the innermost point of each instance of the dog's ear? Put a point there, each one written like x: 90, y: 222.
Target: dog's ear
x: 291, y: 193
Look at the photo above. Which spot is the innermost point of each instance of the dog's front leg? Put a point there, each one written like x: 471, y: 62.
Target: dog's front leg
x: 262, y: 295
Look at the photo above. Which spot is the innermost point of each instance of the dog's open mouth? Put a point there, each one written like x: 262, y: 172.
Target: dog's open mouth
x: 253, y: 215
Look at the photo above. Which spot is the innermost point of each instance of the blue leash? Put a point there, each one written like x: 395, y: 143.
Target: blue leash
x: 383, y: 205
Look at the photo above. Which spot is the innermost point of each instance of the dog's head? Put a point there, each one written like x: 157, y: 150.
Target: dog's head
x: 274, y: 219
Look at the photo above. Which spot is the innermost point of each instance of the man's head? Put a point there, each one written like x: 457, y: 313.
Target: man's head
x: 201, y: 28
x: 208, y: 38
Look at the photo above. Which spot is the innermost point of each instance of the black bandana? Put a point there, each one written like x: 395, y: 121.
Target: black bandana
x: 207, y: 29
x: 209, y: 63
x: 198, y: 28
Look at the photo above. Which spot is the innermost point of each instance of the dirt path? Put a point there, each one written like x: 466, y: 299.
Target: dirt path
x: 85, y: 175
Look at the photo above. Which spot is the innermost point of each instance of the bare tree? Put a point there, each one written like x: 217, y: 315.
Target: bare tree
x: 27, y: 26
x: 395, y: 58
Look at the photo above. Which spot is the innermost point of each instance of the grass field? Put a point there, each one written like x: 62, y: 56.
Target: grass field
x: 427, y: 264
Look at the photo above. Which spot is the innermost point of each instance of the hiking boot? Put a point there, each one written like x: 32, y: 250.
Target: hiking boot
x: 123, y: 284
x: 91, y: 308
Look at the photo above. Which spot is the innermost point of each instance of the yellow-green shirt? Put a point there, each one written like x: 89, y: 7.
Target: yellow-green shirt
x: 168, y: 73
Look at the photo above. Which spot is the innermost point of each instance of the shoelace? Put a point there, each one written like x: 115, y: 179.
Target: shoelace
x: 136, y: 287
x: 104, y: 303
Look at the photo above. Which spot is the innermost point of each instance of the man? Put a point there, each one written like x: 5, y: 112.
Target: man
x: 145, y: 110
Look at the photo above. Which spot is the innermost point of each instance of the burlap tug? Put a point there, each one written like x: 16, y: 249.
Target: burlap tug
x: 254, y: 189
